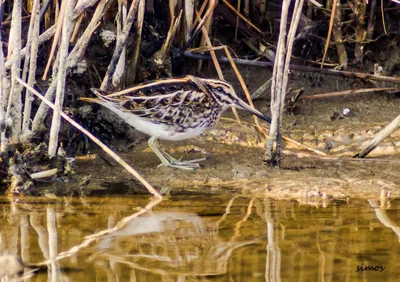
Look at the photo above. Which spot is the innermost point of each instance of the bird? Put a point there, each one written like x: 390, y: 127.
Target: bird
x: 173, y: 109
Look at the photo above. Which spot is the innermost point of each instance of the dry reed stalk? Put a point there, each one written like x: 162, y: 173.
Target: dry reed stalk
x: 56, y: 38
x: 371, y: 20
x: 121, y: 43
x: 118, y: 159
x: 133, y: 69
x: 215, y: 61
x: 82, y: 6
x: 202, y: 8
x: 172, y: 7
x: 328, y: 39
x: 76, y: 29
x: 45, y: 36
x: 117, y: 76
x: 75, y: 55
x: 189, y: 7
x: 2, y: 75
x: 3, y: 140
x: 360, y: 9
x: 395, y: 124
x: 276, y: 89
x: 14, y: 106
x: 383, y: 16
x: 337, y: 35
x: 282, y: 77
x: 207, y: 25
x: 31, y: 49
x: 61, y: 76
x: 242, y: 17
x: 237, y: 20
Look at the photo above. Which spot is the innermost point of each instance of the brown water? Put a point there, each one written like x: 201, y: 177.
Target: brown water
x: 202, y: 238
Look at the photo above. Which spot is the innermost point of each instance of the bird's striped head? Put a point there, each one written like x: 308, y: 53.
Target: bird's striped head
x: 224, y: 94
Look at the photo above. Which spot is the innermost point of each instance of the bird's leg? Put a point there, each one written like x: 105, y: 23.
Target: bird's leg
x: 170, y: 161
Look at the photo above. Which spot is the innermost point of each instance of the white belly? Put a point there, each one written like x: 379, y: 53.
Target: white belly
x: 161, y: 131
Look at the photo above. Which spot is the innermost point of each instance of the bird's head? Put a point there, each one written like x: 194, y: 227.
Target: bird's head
x: 224, y: 93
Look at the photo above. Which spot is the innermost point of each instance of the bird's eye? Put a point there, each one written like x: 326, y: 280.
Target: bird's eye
x: 219, y: 89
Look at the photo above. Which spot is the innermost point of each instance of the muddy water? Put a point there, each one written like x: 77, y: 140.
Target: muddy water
x: 202, y: 238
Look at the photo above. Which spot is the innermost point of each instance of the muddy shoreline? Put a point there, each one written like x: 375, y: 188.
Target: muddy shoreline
x: 235, y: 157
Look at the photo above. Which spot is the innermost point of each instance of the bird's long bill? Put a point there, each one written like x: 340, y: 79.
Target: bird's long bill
x: 245, y: 107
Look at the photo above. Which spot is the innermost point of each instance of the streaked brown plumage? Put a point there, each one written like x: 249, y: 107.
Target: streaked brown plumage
x: 173, y: 109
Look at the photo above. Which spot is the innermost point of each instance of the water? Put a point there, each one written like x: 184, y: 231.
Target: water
x: 202, y: 238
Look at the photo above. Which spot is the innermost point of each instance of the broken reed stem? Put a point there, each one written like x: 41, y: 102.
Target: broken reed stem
x: 32, y: 47
x: 395, y: 124
x: 215, y: 60
x: 131, y: 170
x: 55, y: 39
x: 121, y: 43
x: 61, y: 76
x: 14, y: 107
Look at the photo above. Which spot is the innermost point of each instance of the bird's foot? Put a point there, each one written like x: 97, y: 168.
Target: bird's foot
x: 187, y: 165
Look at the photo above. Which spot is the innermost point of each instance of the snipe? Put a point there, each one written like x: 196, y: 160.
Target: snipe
x: 174, y: 109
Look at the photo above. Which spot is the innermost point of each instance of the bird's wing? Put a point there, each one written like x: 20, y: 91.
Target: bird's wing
x: 166, y: 101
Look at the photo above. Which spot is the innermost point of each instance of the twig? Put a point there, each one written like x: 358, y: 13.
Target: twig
x: 348, y: 92
x: 97, y: 141
x: 61, y: 76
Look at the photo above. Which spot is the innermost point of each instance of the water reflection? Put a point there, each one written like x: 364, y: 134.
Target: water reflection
x: 195, y: 238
